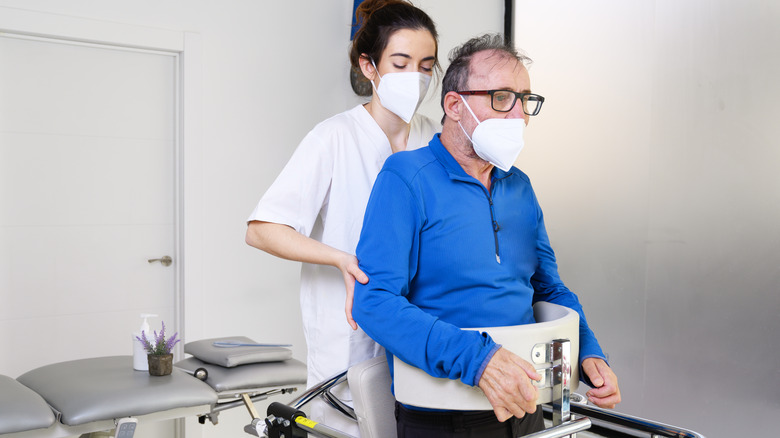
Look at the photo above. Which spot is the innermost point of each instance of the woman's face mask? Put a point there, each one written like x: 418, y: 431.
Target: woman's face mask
x: 401, y: 93
x: 497, y: 141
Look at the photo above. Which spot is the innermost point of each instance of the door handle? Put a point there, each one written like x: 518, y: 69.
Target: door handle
x: 165, y: 260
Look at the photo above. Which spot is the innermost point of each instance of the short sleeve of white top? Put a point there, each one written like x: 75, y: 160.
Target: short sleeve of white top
x: 322, y: 193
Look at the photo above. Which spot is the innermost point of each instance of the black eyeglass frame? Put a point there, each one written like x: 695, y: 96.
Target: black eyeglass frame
x: 518, y: 96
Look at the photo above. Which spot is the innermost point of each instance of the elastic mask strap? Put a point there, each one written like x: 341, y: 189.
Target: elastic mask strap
x: 469, y: 108
x: 464, y: 132
x: 472, y: 115
x: 377, y: 73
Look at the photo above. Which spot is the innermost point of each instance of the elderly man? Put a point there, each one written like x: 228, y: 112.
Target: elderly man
x: 454, y: 237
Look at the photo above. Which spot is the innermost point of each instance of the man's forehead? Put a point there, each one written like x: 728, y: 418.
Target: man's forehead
x: 494, y: 65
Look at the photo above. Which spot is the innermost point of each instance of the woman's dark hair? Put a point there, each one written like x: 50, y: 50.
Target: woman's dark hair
x: 377, y: 21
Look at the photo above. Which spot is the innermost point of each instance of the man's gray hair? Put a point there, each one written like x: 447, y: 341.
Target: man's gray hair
x: 457, y: 76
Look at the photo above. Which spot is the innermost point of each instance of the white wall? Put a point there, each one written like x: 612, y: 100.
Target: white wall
x: 270, y: 72
x: 656, y: 160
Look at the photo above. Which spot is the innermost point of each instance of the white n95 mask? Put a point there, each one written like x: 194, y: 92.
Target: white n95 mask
x: 401, y: 93
x: 497, y: 141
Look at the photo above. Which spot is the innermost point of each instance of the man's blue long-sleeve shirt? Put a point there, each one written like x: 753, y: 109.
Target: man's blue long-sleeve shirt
x: 442, y: 252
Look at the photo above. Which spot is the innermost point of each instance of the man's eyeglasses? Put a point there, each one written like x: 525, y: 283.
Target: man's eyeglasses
x: 504, y: 100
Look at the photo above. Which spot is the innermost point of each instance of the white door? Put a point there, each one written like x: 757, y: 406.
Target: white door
x: 87, y: 195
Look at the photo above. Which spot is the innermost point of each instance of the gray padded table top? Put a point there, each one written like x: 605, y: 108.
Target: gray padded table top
x: 21, y: 408
x: 108, y: 387
x: 249, y: 376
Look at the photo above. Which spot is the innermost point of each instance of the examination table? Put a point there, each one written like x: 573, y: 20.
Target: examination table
x: 89, y: 395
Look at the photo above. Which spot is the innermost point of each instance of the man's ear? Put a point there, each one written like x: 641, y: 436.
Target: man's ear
x: 452, y: 105
x: 367, y: 67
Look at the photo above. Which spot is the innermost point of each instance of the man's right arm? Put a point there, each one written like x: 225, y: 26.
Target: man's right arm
x: 387, y: 253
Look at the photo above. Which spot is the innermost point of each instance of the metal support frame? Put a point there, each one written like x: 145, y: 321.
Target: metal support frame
x: 566, y: 429
x: 245, y: 398
x: 617, y: 421
x: 317, y: 390
x: 561, y: 356
x: 557, y: 377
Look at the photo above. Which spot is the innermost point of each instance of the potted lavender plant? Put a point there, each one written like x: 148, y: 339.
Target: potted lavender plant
x: 159, y: 351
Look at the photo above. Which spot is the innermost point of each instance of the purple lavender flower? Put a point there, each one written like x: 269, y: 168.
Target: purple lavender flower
x: 159, y: 345
x: 171, y: 342
x: 145, y: 342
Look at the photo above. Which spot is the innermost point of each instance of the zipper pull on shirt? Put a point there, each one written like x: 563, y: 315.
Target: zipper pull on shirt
x: 495, y: 234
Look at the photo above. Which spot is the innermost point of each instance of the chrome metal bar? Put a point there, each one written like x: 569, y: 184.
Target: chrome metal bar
x: 323, y: 390
x: 315, y: 391
x: 561, y: 430
x: 339, y: 405
x: 605, y: 418
x: 561, y: 356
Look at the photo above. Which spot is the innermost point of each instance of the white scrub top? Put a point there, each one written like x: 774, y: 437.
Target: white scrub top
x: 322, y: 193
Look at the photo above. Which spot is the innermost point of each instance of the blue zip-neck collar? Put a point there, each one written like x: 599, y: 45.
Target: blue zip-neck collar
x: 454, y: 169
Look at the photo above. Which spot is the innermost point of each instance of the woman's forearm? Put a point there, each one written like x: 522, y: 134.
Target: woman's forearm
x: 285, y: 242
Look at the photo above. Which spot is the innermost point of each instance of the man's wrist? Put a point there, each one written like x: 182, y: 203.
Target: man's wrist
x: 484, y: 364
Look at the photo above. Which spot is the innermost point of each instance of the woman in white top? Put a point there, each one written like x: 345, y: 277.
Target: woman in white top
x: 313, y: 212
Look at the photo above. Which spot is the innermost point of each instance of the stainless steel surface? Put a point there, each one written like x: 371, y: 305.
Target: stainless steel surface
x: 561, y: 430
x: 165, y: 260
x: 561, y: 355
x: 339, y: 405
x: 607, y: 417
x: 316, y: 390
x: 541, y: 353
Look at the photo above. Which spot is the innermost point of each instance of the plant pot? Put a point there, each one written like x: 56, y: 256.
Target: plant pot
x: 160, y: 364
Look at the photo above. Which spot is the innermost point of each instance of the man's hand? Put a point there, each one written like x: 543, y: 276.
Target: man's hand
x: 506, y: 382
x: 352, y: 273
x: 606, y: 393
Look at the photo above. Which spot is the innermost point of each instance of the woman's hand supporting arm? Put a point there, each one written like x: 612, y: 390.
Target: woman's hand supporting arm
x: 284, y: 242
